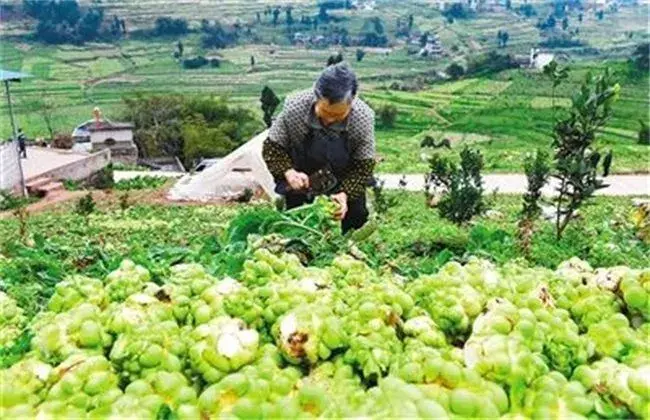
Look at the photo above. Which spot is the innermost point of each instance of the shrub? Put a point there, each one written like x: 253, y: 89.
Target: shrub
x: 491, y: 62
x: 644, y: 133
x: 388, y: 115
x: 168, y: 26
x: 576, y: 162
x: 537, y: 169
x: 63, y: 141
x: 456, y: 11
x: 195, y: 62
x: 455, y: 71
x: 85, y: 205
x: 102, y: 179
x: 463, y: 185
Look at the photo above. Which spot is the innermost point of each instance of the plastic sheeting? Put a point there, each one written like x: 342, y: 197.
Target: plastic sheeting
x: 242, y: 169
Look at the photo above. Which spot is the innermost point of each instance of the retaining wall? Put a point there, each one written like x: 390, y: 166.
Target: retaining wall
x: 9, y: 166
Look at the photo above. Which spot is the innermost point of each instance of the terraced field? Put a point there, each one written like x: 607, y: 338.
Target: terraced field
x: 512, y: 110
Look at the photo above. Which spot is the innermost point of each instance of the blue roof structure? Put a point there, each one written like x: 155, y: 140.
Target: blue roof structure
x: 12, y: 76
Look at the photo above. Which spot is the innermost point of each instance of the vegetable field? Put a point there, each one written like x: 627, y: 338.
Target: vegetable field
x: 512, y: 108
x: 154, y: 311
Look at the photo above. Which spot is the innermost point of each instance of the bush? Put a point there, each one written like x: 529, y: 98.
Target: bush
x: 456, y: 11
x: 492, y: 62
x: 168, y: 26
x: 195, y: 62
x: 463, y: 185
x: 102, y: 179
x: 165, y: 123
x: 644, y: 133
x: 373, y: 33
x: 216, y: 36
x: 388, y: 115
x: 63, y: 141
x: 455, y: 71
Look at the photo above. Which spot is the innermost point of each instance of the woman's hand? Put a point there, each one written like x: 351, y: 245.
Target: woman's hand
x: 298, y: 181
x: 342, y: 200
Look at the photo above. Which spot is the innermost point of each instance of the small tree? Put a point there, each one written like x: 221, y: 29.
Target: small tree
x: 424, y: 39
x: 252, y: 61
x: 565, y: 23
x: 334, y: 59
x: 289, y: 16
x: 270, y: 102
x: 463, y: 185
x: 360, y: 54
x: 502, y: 37
x: 576, y: 162
x: 455, y: 71
x: 600, y: 14
x: 410, y: 22
x: 388, y: 115
x: 508, y: 4
x: 180, y: 48
x: 644, y: 133
x: 641, y: 57
x: 85, y: 207
x: 46, y: 108
x: 537, y: 169
x: 276, y: 15
x: 580, y: 17
x: 557, y: 75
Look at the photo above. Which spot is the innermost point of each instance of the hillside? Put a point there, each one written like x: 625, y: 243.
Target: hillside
x: 506, y: 113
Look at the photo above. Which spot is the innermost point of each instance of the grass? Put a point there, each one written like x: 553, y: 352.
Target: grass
x: 512, y: 109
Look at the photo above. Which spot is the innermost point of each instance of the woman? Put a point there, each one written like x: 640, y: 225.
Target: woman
x: 325, y: 135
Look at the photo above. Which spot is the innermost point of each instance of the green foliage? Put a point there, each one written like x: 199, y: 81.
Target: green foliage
x: 216, y: 36
x: 644, y: 133
x: 455, y: 71
x: 373, y: 33
x: 200, y: 61
x: 537, y: 169
x: 335, y: 59
x: 85, y: 205
x: 270, y: 102
x: 190, y: 128
x: 463, y: 195
x: 457, y: 11
x: 141, y: 183
x: 489, y: 63
x: 168, y: 26
x: 360, y: 54
x: 102, y: 179
x: 381, y: 201
x: 576, y: 162
x: 10, y: 201
x: 641, y: 57
x: 387, y: 115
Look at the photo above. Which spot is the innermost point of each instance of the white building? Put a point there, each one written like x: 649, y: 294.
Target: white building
x: 118, y: 137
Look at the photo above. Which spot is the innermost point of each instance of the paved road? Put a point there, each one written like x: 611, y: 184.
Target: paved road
x: 619, y: 185
x: 41, y: 160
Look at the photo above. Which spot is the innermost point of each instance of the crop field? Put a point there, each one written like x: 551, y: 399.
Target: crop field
x: 193, y: 312
x: 510, y: 112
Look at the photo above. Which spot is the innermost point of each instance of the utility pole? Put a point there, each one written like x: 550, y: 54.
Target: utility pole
x: 23, y: 188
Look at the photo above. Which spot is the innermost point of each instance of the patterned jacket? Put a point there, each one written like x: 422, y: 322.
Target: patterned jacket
x: 293, y: 124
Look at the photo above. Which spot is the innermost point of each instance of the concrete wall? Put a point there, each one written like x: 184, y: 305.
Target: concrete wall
x: 9, y: 166
x: 117, y: 135
x: 81, y: 169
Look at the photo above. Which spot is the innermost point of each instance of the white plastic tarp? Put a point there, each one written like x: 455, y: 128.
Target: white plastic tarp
x: 242, y: 169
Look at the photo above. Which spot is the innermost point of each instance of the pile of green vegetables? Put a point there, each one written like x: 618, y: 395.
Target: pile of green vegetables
x: 290, y: 340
